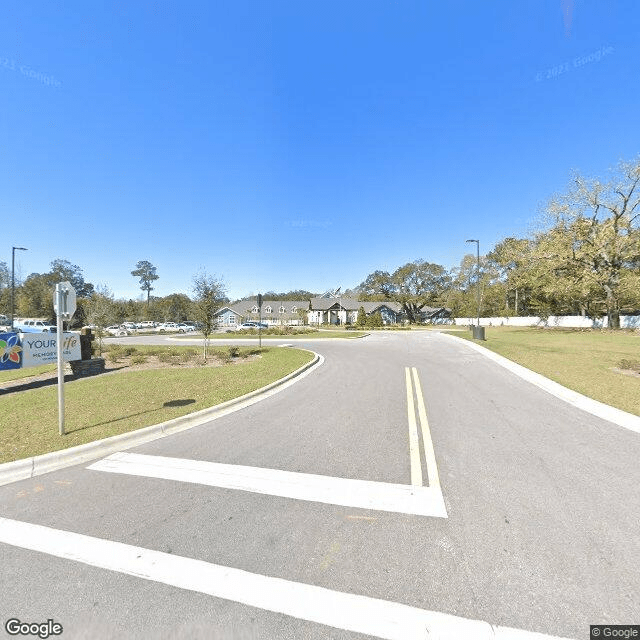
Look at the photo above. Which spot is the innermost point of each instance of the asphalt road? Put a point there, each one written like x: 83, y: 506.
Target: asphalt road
x: 541, y: 529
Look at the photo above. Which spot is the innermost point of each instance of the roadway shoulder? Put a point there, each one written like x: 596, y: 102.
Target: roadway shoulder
x: 594, y: 407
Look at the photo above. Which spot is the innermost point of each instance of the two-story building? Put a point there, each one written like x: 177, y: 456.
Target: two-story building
x: 326, y: 309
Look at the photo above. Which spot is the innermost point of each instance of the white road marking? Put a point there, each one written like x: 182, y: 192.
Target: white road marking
x: 363, y: 494
x: 429, y: 453
x: 347, y: 611
x: 594, y: 407
x: 414, y: 445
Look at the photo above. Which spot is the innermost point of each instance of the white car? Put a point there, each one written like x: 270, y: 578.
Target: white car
x: 116, y: 330
x: 167, y: 327
x: 35, y: 326
x: 185, y: 328
x: 252, y: 325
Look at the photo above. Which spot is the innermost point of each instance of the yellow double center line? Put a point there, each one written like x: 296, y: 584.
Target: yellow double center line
x: 413, y: 384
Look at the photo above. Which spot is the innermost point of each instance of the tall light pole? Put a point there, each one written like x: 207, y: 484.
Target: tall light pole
x: 13, y: 279
x: 478, y: 276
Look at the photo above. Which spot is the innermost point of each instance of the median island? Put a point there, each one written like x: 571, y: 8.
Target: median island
x: 142, y: 386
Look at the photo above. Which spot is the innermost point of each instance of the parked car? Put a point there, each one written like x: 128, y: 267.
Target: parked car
x: 167, y: 327
x: 129, y: 326
x: 183, y: 327
x: 252, y: 325
x: 146, y: 324
x: 34, y: 326
x: 116, y: 330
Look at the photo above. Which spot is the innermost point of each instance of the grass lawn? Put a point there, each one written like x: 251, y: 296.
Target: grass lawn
x: 19, y: 374
x: 115, y: 403
x: 581, y: 360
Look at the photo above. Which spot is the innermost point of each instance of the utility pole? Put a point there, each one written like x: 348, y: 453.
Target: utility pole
x: 477, y: 275
x: 478, y: 332
x: 13, y: 280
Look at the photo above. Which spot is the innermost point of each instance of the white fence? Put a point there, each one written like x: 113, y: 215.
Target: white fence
x: 580, y: 322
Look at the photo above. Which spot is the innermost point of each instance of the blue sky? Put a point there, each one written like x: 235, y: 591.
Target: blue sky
x: 285, y: 145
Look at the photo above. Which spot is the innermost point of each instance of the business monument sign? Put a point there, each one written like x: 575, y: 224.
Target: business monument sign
x: 41, y: 348
x: 10, y: 351
x: 34, y: 349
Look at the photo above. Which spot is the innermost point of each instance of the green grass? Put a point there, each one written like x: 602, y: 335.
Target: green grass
x: 111, y: 404
x: 19, y: 374
x: 578, y: 359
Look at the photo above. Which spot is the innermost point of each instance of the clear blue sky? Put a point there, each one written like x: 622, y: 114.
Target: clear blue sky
x: 287, y: 144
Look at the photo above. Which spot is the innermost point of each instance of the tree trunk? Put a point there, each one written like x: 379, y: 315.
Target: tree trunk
x: 613, y: 310
x: 614, y: 318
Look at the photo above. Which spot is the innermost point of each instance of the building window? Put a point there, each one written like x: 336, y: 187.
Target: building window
x: 294, y: 309
x: 281, y: 309
x: 254, y: 310
x: 232, y: 318
x: 267, y: 310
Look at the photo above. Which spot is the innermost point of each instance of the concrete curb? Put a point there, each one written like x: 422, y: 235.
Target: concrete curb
x: 594, y: 407
x: 38, y: 465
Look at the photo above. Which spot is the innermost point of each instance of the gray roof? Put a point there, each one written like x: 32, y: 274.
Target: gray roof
x: 352, y: 304
x: 245, y: 306
x: 429, y: 312
x: 322, y: 304
x: 372, y: 307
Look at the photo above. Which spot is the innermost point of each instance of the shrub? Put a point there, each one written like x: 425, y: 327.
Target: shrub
x: 138, y: 358
x: 234, y: 351
x: 631, y: 365
x: 114, y: 353
x: 187, y: 355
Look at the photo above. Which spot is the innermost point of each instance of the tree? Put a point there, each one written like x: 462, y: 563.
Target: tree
x: 298, y: 294
x: 5, y: 276
x: 100, y: 310
x: 5, y: 288
x: 35, y: 298
x: 64, y: 271
x: 374, y: 320
x: 594, y: 239
x: 303, y: 315
x: 210, y: 294
x: 414, y: 285
x: 377, y: 287
x: 361, y: 320
x: 175, y: 307
x: 147, y: 274
x: 509, y: 260
x: 419, y: 284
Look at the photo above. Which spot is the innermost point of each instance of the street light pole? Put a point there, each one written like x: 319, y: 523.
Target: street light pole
x: 13, y: 279
x: 478, y: 275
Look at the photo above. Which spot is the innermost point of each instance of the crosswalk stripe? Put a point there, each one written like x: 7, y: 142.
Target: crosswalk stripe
x: 347, y: 611
x: 363, y: 494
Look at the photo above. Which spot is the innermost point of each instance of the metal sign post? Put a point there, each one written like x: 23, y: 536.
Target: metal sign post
x: 64, y: 303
